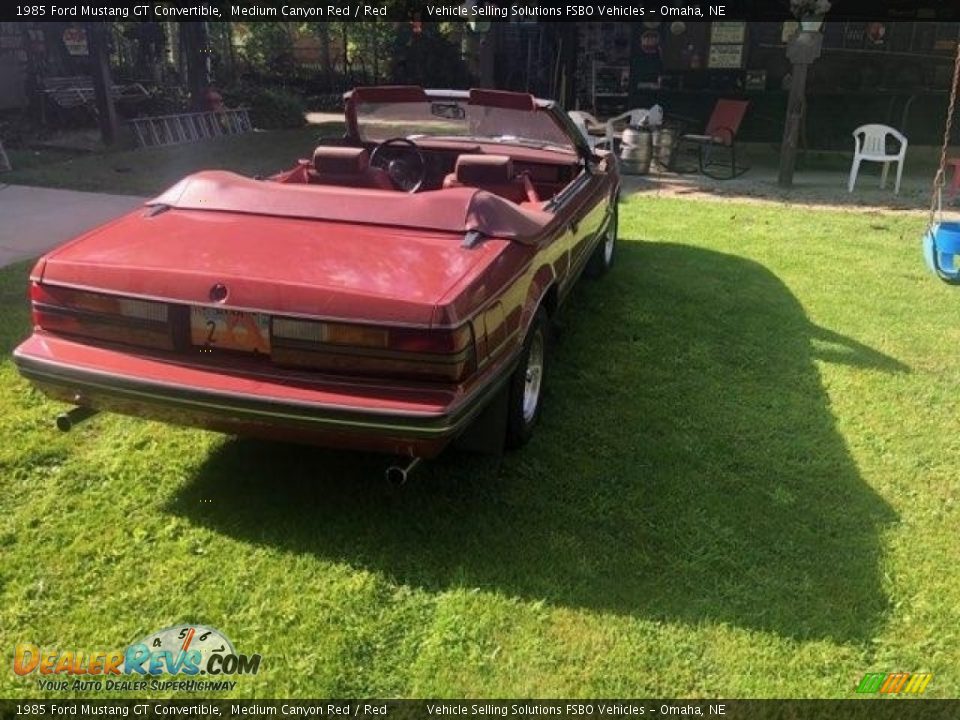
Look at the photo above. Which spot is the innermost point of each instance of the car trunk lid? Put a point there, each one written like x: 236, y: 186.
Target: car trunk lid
x: 278, y: 265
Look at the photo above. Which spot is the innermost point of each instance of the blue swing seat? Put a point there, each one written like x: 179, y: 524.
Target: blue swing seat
x: 941, y: 250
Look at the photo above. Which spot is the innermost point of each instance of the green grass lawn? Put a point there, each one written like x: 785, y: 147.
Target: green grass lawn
x: 149, y: 171
x: 744, y: 484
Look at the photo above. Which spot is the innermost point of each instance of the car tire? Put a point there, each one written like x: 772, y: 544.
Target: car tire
x: 526, y: 383
x: 604, y: 253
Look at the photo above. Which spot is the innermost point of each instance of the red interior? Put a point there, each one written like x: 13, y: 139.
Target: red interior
x: 525, y: 176
x: 347, y: 167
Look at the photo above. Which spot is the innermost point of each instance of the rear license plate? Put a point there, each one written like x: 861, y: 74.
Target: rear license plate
x: 230, y: 329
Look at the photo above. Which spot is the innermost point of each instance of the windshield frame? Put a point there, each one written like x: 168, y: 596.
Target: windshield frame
x: 573, y: 143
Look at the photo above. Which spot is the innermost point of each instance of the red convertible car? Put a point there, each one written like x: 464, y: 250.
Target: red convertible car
x: 382, y: 295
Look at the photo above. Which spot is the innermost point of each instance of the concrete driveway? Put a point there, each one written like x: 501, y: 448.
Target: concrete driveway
x: 34, y: 220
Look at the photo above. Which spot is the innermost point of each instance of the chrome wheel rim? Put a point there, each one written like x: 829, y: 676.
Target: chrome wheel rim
x: 533, y: 376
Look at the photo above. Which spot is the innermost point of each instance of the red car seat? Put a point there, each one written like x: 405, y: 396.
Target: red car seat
x: 493, y: 173
x: 347, y: 167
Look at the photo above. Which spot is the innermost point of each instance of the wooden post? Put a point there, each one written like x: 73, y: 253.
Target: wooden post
x: 803, y: 49
x: 102, y: 82
x: 791, y: 125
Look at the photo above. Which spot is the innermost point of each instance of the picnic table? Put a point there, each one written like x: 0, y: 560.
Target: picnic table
x: 77, y: 91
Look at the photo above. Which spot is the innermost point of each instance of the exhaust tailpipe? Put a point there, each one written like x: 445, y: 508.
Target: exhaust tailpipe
x: 398, y: 474
x: 66, y: 421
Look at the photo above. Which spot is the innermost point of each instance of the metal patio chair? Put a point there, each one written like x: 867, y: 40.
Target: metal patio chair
x: 721, y: 132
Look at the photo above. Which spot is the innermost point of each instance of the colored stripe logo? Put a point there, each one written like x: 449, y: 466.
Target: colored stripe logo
x: 894, y: 683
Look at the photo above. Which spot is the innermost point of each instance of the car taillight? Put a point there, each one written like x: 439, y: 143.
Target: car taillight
x: 101, y: 316
x: 371, y: 350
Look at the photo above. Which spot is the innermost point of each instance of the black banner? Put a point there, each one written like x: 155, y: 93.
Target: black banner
x: 473, y: 10
x: 581, y: 709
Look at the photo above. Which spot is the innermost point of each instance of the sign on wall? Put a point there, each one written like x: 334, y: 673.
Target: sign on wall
x: 728, y: 32
x: 726, y: 45
x: 725, y: 57
x: 75, y: 40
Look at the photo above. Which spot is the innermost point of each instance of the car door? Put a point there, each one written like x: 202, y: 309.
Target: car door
x: 582, y: 208
x: 583, y: 205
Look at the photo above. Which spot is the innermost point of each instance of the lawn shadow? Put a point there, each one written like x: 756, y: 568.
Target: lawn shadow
x: 687, y: 469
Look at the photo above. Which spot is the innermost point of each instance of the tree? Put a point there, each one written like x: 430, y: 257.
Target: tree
x: 269, y: 45
x: 102, y: 81
x: 196, y: 49
x: 428, y: 57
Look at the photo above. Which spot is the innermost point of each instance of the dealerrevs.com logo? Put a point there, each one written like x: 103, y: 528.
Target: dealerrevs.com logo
x: 894, y: 683
x: 199, y: 658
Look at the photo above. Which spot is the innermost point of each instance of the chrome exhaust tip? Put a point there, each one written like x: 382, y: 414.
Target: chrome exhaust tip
x: 66, y: 421
x: 398, y: 475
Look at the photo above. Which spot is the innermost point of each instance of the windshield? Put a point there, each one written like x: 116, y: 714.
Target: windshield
x: 458, y: 119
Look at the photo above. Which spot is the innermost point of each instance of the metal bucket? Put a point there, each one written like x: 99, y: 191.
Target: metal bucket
x: 636, y: 152
x: 634, y: 136
x: 666, y: 146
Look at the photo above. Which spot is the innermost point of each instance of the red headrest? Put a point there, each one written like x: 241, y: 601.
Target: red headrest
x: 484, y: 169
x: 331, y: 160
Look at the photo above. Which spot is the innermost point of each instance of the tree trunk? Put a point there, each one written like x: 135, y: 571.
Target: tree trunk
x: 35, y: 98
x: 470, y: 49
x: 195, y: 46
x: 323, y: 31
x: 564, y: 38
x: 102, y: 82
x: 571, y: 46
x: 231, y: 55
x: 488, y: 54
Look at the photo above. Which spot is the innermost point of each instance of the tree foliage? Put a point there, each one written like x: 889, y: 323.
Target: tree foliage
x: 338, y: 55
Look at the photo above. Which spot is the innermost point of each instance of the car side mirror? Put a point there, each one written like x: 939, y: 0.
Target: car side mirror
x: 597, y: 165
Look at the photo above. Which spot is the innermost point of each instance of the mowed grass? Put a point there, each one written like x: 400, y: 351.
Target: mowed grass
x: 744, y: 485
x: 149, y: 171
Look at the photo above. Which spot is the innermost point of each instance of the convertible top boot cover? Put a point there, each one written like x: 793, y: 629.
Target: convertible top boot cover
x: 456, y: 210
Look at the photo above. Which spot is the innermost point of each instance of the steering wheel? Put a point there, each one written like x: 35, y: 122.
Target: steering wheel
x: 403, y: 160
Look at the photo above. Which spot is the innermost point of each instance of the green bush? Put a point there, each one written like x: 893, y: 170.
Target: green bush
x: 16, y: 128
x: 162, y: 100
x: 327, y: 102
x: 270, y: 108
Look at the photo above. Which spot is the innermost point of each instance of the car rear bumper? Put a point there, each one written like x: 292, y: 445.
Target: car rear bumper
x: 331, y: 412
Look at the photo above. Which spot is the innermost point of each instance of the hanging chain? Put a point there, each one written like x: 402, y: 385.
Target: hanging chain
x: 939, y: 180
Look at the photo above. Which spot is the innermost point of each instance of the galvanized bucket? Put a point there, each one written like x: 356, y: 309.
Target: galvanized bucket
x: 636, y: 152
x: 665, y: 147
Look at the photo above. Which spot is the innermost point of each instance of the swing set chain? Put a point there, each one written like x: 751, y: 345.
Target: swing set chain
x: 939, y: 180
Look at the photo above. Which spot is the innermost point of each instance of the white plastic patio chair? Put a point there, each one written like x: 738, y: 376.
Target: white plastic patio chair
x: 586, y: 122
x: 652, y: 117
x: 870, y: 143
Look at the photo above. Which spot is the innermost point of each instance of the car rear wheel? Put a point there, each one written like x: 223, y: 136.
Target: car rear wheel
x: 526, y: 383
x: 603, y: 254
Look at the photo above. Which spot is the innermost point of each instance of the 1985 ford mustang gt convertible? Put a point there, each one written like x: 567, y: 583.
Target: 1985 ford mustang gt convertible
x: 392, y: 293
